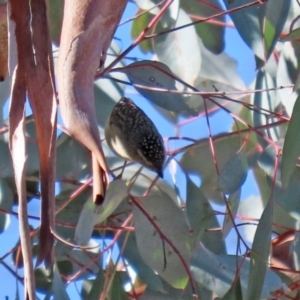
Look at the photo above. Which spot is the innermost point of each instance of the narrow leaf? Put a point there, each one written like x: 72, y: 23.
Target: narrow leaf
x: 275, y: 19
x: 233, y: 203
x: 291, y: 147
x: 6, y: 203
x: 293, y: 35
x: 59, y: 289
x: 117, y: 289
x: 265, y: 101
x: 201, y: 217
x: 249, y: 22
x: 97, y: 286
x: 260, y: 254
x: 235, y: 292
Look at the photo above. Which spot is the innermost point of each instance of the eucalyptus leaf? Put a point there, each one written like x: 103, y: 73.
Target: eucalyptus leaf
x: 286, y: 76
x: 249, y: 22
x: 217, y: 273
x: 92, y: 214
x: 70, y: 215
x: 56, y: 9
x: 73, y: 160
x: 139, y: 23
x: 218, y: 71
x: 235, y: 292
x: 153, y: 74
x: 211, y: 35
x: 156, y: 251
x: 276, y: 16
x: 233, y: 174
x: 265, y: 101
x: 201, y: 218
x: 295, y: 248
x: 117, y: 291
x: 143, y: 271
x: 6, y: 203
x: 199, y: 159
x: 291, y: 147
x: 260, y: 254
x: 180, y: 50
x: 233, y: 204
x: 80, y: 258
x: 59, y: 290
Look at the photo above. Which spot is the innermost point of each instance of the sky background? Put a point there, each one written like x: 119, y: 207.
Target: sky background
x: 220, y: 122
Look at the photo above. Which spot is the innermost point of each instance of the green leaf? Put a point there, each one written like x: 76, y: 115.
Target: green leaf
x: 266, y: 161
x: 260, y: 253
x: 157, y: 253
x: 260, y: 25
x: 287, y: 71
x: 218, y: 71
x: 143, y: 271
x: 72, y: 160
x: 97, y: 286
x: 233, y: 174
x: 291, y: 147
x: 58, y: 287
x: 153, y: 74
x: 180, y: 50
x: 288, y: 199
x: 6, y: 170
x: 5, y: 88
x: 297, y: 81
x: 69, y: 214
x: 233, y: 203
x: 79, y: 258
x: 248, y: 22
x: 265, y: 101
x: 168, y: 293
x: 6, y: 203
x: 117, y: 291
x: 42, y: 281
x: 202, y: 217
x: 235, y: 292
x: 217, y: 273
x: 211, y: 35
x: 56, y: 10
x: 251, y: 207
x: 291, y: 36
x: 92, y: 214
x: 116, y: 192
x: 199, y: 159
x: 138, y: 25
x: 276, y: 16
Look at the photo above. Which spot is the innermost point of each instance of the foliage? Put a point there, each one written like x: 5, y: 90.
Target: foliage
x: 217, y: 239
